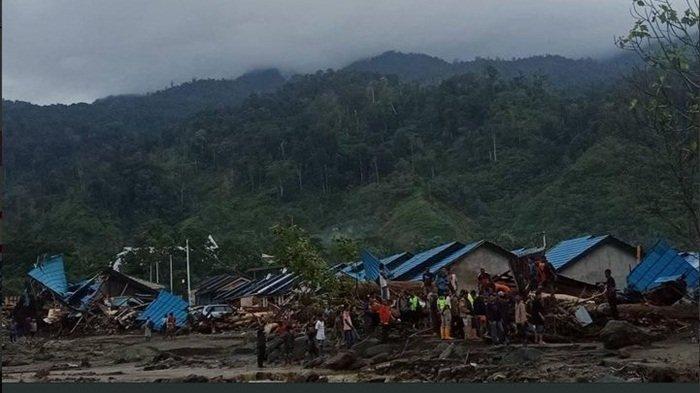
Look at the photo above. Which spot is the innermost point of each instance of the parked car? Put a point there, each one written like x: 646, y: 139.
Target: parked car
x: 216, y: 311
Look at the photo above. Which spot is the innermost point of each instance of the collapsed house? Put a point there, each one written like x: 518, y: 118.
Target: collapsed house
x: 586, y: 258
x: 212, y: 288
x: 110, y: 300
x: 665, y: 275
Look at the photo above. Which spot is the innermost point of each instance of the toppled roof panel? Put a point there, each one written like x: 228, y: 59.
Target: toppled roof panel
x: 164, y: 304
x: 568, y: 251
x: 523, y: 252
x: 370, y: 264
x: 51, y: 273
x: 661, y: 262
x: 418, y: 261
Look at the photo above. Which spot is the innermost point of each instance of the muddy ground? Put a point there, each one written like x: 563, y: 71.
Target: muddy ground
x: 230, y: 357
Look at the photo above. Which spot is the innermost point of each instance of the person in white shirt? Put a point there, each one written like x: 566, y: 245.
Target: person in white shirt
x: 453, y: 281
x: 320, y: 333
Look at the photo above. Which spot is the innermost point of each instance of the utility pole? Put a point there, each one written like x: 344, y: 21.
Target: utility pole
x: 544, y: 240
x: 171, y: 273
x: 189, y: 288
x: 157, y: 273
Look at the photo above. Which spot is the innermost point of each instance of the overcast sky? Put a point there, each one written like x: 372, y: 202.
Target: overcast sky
x: 79, y: 50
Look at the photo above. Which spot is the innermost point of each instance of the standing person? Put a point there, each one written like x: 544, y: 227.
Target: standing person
x: 311, y: 341
x: 537, y: 316
x: 442, y: 282
x: 495, y: 319
x: 611, y: 293
x: 479, y: 315
x: 14, y: 327
x: 506, y: 307
x: 147, y: 329
x: 521, y: 318
x: 320, y: 333
x: 452, y: 278
x: 383, y: 286
x: 483, y: 280
x: 434, y: 312
x: 445, y: 309
x: 414, y: 309
x: 170, y: 326
x: 532, y: 268
x: 427, y: 281
x: 288, y: 343
x: 348, y: 328
x: 457, y: 308
x: 385, y: 318
x: 261, y: 345
x: 33, y: 328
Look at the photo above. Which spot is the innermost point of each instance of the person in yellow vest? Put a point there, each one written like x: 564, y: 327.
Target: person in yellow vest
x: 444, y: 307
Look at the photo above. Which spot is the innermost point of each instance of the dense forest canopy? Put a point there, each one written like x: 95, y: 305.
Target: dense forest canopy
x: 397, y: 152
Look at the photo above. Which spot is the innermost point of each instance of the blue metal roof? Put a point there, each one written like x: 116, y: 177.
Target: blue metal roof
x: 356, y: 270
x: 662, y: 261
x: 370, y: 264
x: 692, y: 258
x: 52, y: 274
x: 568, y: 251
x: 408, y: 269
x: 164, y: 304
x: 450, y: 259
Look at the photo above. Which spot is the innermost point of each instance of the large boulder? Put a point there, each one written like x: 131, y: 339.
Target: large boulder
x: 299, y: 347
x: 378, y: 349
x: 341, y: 361
x: 617, y: 334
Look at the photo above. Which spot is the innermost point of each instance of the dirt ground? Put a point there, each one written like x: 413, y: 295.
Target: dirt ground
x: 230, y: 357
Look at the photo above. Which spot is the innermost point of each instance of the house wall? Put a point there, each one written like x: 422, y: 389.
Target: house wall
x: 591, y: 268
x: 468, y: 267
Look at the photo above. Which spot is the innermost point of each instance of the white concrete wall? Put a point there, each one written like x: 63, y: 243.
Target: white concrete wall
x: 468, y: 267
x: 591, y: 268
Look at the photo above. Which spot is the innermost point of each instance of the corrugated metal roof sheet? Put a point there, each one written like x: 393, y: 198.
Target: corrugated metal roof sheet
x: 567, y: 251
x: 692, y: 258
x: 52, y: 274
x: 357, y: 272
x: 370, y: 265
x: 661, y: 261
x: 164, y: 304
x: 522, y: 252
x: 409, y: 268
x: 459, y: 253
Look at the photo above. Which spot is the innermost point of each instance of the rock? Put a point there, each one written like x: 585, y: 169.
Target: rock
x: 341, y: 361
x: 362, y: 346
x: 522, y: 355
x: 603, y: 308
x: 617, y: 334
x: 358, y: 364
x: 299, y: 347
x: 377, y: 349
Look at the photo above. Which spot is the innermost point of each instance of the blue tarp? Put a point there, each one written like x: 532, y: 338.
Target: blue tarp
x: 661, y: 263
x: 370, y: 264
x: 164, y: 304
x: 568, y: 250
x: 52, y: 274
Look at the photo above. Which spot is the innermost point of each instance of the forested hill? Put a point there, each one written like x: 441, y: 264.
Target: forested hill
x: 393, y: 164
x: 560, y: 71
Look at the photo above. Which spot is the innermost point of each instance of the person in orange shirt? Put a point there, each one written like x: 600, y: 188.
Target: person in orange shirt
x: 500, y: 287
x: 385, y: 319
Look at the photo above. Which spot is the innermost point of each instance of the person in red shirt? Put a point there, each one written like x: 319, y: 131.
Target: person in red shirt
x: 385, y: 319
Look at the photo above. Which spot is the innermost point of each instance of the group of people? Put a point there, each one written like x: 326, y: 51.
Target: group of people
x: 27, y: 329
